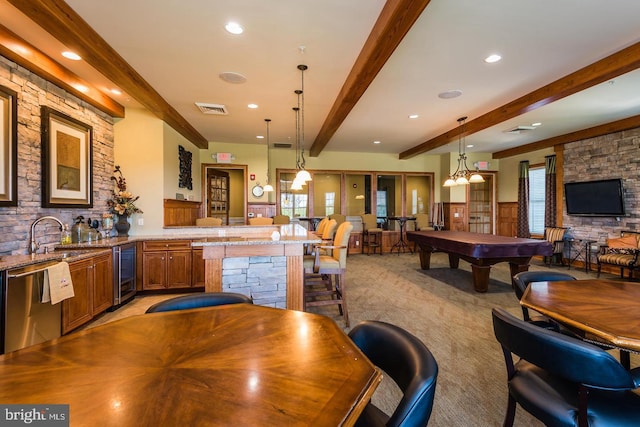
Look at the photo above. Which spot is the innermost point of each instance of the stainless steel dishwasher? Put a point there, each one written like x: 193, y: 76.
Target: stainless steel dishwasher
x: 25, y: 319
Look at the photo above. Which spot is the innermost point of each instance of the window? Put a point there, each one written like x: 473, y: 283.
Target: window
x: 536, y: 199
x: 329, y: 203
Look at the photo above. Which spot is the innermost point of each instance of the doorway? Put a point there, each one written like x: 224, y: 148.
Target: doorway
x: 224, y: 192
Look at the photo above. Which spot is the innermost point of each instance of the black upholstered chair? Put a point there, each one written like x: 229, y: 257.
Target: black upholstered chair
x: 563, y: 381
x: 522, y: 280
x: 207, y: 299
x: 408, y: 362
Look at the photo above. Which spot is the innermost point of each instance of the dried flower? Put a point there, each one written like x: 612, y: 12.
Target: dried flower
x: 122, y: 201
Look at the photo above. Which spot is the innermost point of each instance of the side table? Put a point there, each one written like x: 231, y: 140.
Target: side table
x: 578, y: 247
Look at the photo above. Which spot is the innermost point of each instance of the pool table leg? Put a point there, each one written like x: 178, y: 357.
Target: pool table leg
x: 516, y: 268
x: 480, y: 277
x: 425, y: 258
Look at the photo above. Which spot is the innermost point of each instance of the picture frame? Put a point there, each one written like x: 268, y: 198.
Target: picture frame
x: 8, y: 147
x: 67, y: 161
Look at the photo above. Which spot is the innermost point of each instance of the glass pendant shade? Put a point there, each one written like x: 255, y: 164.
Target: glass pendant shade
x: 449, y: 182
x: 476, y: 178
x: 296, y: 184
x: 268, y: 187
x: 303, y: 175
x: 461, y: 180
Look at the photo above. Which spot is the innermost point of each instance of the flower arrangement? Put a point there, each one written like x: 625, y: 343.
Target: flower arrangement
x: 122, y: 201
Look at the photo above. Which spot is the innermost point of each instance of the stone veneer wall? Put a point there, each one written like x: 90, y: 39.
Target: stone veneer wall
x: 263, y: 278
x: 615, y: 155
x: 34, y: 92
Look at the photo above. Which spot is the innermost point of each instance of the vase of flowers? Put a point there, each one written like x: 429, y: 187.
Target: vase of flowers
x: 122, y: 202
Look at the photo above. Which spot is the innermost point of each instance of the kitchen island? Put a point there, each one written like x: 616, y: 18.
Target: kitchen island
x: 264, y: 262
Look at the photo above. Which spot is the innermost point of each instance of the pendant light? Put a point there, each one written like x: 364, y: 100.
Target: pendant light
x: 268, y: 186
x: 297, y: 183
x: 462, y: 174
x: 302, y: 174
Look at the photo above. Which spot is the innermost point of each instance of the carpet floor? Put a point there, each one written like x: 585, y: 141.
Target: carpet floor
x: 441, y: 308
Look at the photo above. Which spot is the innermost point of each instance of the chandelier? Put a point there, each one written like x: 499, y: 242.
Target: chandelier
x: 302, y: 176
x: 268, y: 186
x: 462, y: 174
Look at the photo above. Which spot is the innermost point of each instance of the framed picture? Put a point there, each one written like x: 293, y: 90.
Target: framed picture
x: 66, y: 161
x: 8, y: 147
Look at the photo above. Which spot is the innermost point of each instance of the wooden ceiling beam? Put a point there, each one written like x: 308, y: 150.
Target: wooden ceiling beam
x: 614, y: 65
x: 63, y: 23
x: 22, y: 53
x: 395, y: 21
x: 592, y: 132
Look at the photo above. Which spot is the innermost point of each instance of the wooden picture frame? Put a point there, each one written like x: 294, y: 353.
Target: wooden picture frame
x: 67, y: 161
x: 8, y: 147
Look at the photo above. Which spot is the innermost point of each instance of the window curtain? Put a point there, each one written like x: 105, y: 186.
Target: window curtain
x: 550, y: 191
x: 523, y: 200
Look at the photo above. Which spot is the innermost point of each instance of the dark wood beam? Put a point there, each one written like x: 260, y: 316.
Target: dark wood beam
x: 22, y: 53
x: 614, y: 65
x: 395, y: 20
x: 63, y: 23
x: 617, y: 126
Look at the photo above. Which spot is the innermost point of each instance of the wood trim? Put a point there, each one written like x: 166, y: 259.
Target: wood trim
x: 62, y: 22
x: 40, y: 64
x: 295, y: 283
x: 213, y: 275
x: 180, y: 212
x: 395, y: 21
x: 614, y: 65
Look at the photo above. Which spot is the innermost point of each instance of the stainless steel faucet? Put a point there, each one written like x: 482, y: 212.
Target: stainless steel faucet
x: 35, y: 245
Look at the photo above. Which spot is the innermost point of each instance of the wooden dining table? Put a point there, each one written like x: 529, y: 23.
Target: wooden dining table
x: 240, y: 364
x: 604, y: 311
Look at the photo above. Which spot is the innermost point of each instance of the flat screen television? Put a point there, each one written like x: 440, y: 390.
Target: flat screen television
x: 595, y: 198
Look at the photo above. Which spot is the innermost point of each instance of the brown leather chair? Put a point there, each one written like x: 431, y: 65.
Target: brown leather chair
x: 325, y: 273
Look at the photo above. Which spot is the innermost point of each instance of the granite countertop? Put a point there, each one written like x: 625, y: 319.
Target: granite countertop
x: 201, y: 236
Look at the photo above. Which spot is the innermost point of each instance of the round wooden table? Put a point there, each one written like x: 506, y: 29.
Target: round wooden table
x: 239, y: 364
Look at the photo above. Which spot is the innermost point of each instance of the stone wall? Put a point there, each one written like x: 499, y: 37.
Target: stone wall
x: 263, y: 278
x: 615, y: 155
x: 34, y: 92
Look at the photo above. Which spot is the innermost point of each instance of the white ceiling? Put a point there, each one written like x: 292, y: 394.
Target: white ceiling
x: 180, y: 48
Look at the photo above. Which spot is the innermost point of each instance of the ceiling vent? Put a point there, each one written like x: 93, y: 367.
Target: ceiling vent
x: 281, y: 145
x: 215, y: 109
x: 518, y: 129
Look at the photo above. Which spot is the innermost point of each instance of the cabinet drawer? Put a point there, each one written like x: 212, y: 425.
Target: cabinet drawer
x: 167, y: 245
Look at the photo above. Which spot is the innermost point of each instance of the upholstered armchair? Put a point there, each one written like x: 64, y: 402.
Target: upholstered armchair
x: 555, y: 235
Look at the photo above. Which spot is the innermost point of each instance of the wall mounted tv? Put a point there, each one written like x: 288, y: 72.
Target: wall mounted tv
x: 595, y: 198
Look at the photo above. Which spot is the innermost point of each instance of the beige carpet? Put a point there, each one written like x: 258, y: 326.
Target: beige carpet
x: 441, y: 308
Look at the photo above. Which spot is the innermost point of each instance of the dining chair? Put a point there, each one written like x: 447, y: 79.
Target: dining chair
x: 422, y: 222
x: 281, y: 219
x: 563, y: 381
x: 521, y: 282
x: 208, y: 222
x: 260, y: 220
x: 408, y: 362
x: 325, y: 273
x: 371, y: 234
x: 198, y: 300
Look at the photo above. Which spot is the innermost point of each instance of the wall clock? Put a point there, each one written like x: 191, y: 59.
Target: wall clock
x: 257, y: 190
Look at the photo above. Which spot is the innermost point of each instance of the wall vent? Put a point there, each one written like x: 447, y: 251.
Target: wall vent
x: 281, y: 145
x: 215, y: 109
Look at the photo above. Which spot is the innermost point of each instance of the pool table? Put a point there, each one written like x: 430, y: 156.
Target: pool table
x: 481, y: 250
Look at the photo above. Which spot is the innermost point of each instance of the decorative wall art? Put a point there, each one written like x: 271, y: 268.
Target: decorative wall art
x: 184, y: 180
x: 8, y: 147
x: 67, y: 161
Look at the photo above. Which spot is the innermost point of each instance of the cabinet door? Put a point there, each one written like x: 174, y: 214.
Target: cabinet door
x: 76, y: 311
x: 197, y: 268
x: 154, y: 270
x: 179, y: 269
x: 102, y: 283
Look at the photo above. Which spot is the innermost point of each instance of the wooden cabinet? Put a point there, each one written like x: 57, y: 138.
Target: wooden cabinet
x: 92, y: 280
x: 197, y: 268
x: 166, y: 264
x: 218, y: 195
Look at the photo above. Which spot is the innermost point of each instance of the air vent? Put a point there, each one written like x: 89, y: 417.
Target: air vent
x: 215, y: 109
x: 519, y: 129
x: 281, y: 145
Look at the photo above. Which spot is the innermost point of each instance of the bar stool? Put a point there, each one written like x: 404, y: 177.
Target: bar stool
x: 371, y: 234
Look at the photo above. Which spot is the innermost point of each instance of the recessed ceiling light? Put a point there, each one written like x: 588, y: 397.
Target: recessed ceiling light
x: 492, y: 58
x: 413, y: 116
x: 260, y: 137
x: 253, y: 106
x: 376, y: 142
x: 116, y: 92
x: 234, y: 28
x: 450, y: 94
x: 469, y: 145
x: 536, y: 124
x: 71, y: 55
x: 81, y: 88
